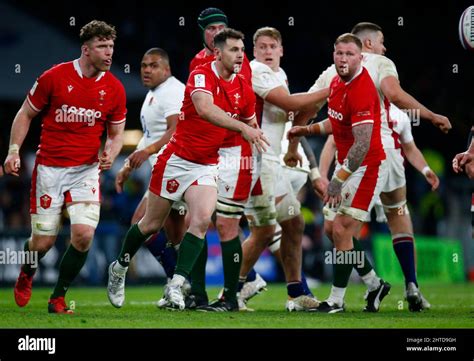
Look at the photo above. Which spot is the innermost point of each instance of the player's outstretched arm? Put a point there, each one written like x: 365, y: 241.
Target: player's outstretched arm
x: 113, y: 145
x: 207, y: 110
x: 300, y: 101
x: 417, y: 160
x: 321, y: 128
x: 20, y: 127
x: 395, y: 94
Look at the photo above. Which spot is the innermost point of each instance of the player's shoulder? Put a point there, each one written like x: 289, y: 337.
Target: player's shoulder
x: 370, y: 58
x: 329, y: 73
x: 202, y: 69
x: 365, y: 80
x: 326, y: 78
x: 58, y: 69
x: 258, y: 67
x: 172, y: 84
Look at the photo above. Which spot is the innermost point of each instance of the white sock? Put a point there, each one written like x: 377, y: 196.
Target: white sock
x: 177, y: 280
x: 371, y: 280
x: 337, y: 295
x: 119, y: 269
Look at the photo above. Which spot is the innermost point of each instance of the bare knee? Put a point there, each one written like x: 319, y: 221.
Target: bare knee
x: 227, y: 228
x: 294, y: 225
x: 338, y: 232
x: 328, y: 230
x: 41, y: 244
x: 82, y: 238
x: 199, y: 225
x: 263, y: 235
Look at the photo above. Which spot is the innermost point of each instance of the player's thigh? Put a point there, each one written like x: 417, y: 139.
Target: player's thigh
x: 394, y: 197
x: 201, y: 201
x: 157, y: 209
x: 228, y: 228
x: 41, y: 243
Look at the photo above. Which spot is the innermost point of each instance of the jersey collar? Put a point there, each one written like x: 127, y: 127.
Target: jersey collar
x: 214, y: 69
x: 355, y: 76
x: 78, y: 70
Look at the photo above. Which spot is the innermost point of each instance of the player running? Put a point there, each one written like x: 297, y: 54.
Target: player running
x: 187, y: 167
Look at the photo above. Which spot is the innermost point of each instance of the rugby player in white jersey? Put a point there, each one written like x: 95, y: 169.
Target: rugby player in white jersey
x: 278, y: 202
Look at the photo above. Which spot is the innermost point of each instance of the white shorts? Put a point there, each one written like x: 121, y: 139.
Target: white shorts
x: 396, y: 170
x: 173, y: 175
x: 297, y: 178
x: 52, y: 187
x: 359, y: 192
x: 238, y: 169
x: 260, y: 209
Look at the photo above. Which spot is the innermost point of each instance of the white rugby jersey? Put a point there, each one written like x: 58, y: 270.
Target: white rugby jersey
x: 401, y: 124
x: 272, y: 118
x: 165, y: 100
x: 379, y: 67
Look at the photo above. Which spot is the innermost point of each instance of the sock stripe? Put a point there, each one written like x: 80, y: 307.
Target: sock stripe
x: 402, y: 240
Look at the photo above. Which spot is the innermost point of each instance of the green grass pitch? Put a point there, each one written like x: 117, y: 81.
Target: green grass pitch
x: 452, y: 307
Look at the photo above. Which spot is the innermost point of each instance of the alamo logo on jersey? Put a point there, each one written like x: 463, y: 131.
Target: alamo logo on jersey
x: 72, y: 114
x: 336, y: 115
x: 199, y: 81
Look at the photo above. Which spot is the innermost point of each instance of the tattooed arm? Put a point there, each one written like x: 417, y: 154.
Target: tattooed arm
x: 362, y: 134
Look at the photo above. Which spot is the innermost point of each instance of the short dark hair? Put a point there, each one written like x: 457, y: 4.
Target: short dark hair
x: 349, y: 38
x: 227, y: 33
x: 359, y: 28
x: 159, y: 52
x: 97, y: 28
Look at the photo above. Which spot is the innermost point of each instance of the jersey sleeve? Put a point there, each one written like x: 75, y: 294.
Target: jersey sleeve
x: 401, y: 124
x: 386, y: 68
x: 264, y: 80
x: 404, y: 126
x: 323, y: 81
x: 173, y: 102
x: 362, y: 102
x: 119, y: 112
x: 39, y: 95
x: 248, y: 112
x: 201, y: 81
